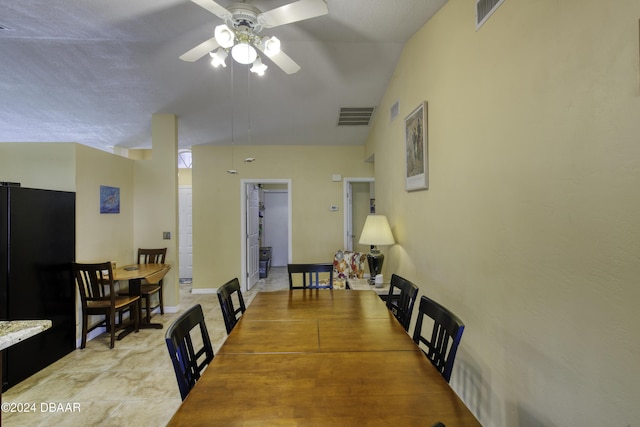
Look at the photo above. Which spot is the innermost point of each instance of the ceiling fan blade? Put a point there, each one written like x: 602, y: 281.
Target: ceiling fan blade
x: 293, y: 12
x: 214, y: 8
x: 199, y: 51
x: 283, y: 61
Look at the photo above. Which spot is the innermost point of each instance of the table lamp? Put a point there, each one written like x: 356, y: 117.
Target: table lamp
x: 376, y: 231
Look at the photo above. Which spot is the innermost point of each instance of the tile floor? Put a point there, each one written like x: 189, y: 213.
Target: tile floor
x: 133, y: 384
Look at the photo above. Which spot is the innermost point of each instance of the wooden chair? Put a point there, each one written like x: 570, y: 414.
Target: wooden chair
x: 447, y: 331
x: 311, y: 278
x: 147, y: 290
x: 401, y: 305
x: 98, y: 297
x: 189, y: 362
x: 230, y: 314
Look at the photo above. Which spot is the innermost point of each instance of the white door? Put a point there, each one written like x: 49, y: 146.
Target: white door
x: 276, y: 226
x: 253, y: 235
x: 185, y: 249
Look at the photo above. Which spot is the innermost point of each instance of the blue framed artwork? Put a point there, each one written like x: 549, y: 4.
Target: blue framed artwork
x: 109, y: 200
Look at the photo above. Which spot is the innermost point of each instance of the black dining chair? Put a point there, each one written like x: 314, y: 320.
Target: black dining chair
x: 230, y: 313
x: 147, y: 290
x: 314, y: 276
x: 446, y: 334
x: 401, y: 305
x: 98, y: 297
x: 189, y: 361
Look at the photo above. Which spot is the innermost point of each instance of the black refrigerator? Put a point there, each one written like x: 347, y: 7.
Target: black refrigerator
x: 37, y: 247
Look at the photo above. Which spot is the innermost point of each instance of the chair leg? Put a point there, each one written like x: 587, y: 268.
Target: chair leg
x: 85, y: 319
x: 161, y: 300
x: 136, y: 318
x: 112, y: 327
x: 147, y: 301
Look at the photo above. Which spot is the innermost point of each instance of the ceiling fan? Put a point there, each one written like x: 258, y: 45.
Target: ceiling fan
x: 239, y: 33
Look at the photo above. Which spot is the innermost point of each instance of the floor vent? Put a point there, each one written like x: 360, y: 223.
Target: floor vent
x: 394, y: 111
x: 350, y: 116
x: 484, y: 9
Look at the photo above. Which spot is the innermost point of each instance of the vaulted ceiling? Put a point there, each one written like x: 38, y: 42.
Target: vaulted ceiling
x: 94, y: 72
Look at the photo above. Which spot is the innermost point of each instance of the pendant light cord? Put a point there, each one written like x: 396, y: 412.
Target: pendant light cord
x: 232, y: 111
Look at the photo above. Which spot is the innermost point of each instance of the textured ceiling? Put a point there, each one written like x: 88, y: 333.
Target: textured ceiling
x: 94, y: 72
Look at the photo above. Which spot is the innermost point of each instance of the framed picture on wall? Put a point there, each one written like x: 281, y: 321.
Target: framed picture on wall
x: 416, y: 159
x: 109, y: 200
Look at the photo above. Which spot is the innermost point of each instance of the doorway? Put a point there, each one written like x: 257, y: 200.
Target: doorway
x: 274, y: 225
x: 284, y: 186
x: 359, y: 201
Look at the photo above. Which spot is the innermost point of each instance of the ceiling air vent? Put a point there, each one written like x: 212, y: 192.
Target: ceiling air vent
x: 484, y: 9
x: 355, y: 116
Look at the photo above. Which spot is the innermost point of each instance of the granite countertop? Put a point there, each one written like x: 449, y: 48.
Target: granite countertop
x: 14, y: 331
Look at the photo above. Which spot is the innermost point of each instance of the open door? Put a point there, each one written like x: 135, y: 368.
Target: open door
x: 253, y: 235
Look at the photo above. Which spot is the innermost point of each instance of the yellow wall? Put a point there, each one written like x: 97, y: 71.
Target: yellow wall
x: 317, y: 232
x: 103, y: 237
x: 184, y: 177
x: 529, y: 230
x: 39, y: 165
x: 156, y: 199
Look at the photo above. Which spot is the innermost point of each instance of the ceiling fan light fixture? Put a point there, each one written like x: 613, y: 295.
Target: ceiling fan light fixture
x: 244, y: 53
x: 258, y: 67
x: 224, y: 36
x: 218, y: 57
x: 271, y: 46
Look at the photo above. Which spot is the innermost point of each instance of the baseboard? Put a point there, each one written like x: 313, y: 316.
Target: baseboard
x: 204, y: 290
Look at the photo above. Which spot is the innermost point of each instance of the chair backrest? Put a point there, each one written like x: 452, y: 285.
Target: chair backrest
x: 349, y: 265
x: 95, y: 281
x: 189, y: 362
x: 151, y: 256
x: 311, y: 277
x: 446, y: 334
x: 230, y: 313
x: 401, y: 305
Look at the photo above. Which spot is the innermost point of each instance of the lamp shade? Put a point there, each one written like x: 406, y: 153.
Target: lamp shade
x: 271, y: 46
x: 258, y: 67
x: 244, y: 53
x: 218, y: 58
x: 224, y: 36
x: 376, y: 231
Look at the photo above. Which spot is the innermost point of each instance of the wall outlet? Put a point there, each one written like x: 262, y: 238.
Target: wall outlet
x: 166, y: 235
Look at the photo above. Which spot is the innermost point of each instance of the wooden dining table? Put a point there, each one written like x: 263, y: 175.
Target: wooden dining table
x: 134, y: 274
x: 316, y: 358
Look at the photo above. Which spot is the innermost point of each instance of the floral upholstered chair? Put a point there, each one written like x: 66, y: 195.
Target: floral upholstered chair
x: 348, y: 265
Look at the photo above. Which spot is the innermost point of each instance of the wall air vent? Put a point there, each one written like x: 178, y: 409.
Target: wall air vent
x: 394, y: 111
x: 484, y: 9
x: 358, y: 116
